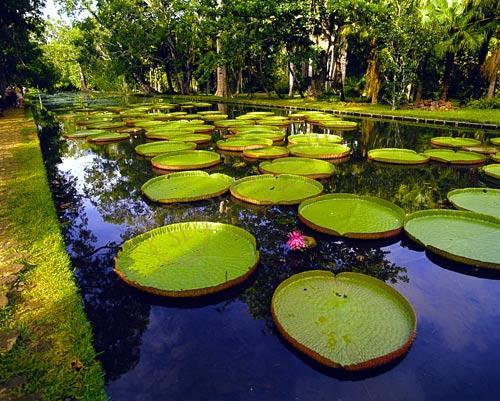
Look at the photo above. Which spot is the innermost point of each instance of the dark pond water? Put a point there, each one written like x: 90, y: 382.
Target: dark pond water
x: 225, y: 347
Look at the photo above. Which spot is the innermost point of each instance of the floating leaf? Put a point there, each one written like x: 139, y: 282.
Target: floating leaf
x: 479, y: 200
x: 397, y: 156
x: 270, y: 152
x: 311, y: 168
x: 450, y: 142
x: 451, y: 157
x: 187, y: 160
x: 320, y: 151
x: 158, y: 148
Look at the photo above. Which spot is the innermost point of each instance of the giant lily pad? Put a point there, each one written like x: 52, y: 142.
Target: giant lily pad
x: 179, y: 136
x: 270, y: 152
x: 451, y: 157
x: 268, y: 189
x: 339, y: 125
x: 276, y: 136
x: 320, y: 151
x: 348, y: 321
x: 397, y: 156
x: 492, y: 170
x: 310, y: 168
x: 352, y: 216
x: 465, y: 237
x: 158, y: 148
x: 83, y: 133
x: 479, y: 200
x: 495, y: 141
x: 188, y: 259
x: 485, y: 150
x: 449, y: 142
x: 231, y: 123
x: 237, y: 144
x: 108, y: 137
x: 496, y: 157
x: 186, y: 186
x: 314, y: 138
x: 106, y: 125
x: 187, y: 160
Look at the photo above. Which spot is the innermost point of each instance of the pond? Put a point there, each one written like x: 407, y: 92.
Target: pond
x: 225, y: 346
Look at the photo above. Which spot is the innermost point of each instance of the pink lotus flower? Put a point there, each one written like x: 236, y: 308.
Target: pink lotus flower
x: 296, y: 241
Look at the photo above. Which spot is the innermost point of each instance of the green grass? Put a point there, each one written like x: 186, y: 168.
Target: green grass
x: 54, y: 350
x: 486, y: 116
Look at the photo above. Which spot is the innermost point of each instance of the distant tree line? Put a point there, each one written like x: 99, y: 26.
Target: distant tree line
x: 391, y: 51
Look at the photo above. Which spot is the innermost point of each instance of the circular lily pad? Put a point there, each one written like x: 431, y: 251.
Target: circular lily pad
x: 349, y: 321
x: 479, y: 200
x: 397, y: 156
x: 492, y: 170
x: 496, y: 157
x: 186, y: 186
x: 465, y: 237
x: 276, y: 136
x: 495, y: 141
x: 83, y: 133
x: 188, y: 259
x: 187, y: 160
x: 236, y: 144
x: 449, y: 142
x: 311, y: 168
x: 108, y: 137
x: 485, y: 150
x: 179, y: 136
x: 320, y: 151
x: 158, y: 148
x: 352, y: 216
x: 338, y: 124
x: 451, y: 157
x: 106, y: 125
x: 314, y: 138
x: 271, y: 152
x: 268, y: 189
x: 231, y: 123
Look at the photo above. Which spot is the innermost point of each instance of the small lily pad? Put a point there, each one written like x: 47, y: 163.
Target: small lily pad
x: 106, y: 125
x: 80, y: 134
x: 352, y: 216
x: 349, y: 321
x: 186, y: 186
x: 495, y: 141
x: 187, y: 160
x: 268, y: 189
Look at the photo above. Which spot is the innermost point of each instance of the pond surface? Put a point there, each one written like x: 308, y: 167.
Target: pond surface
x: 225, y: 347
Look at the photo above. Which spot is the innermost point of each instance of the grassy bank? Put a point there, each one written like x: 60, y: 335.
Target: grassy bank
x: 484, y: 116
x: 52, y: 357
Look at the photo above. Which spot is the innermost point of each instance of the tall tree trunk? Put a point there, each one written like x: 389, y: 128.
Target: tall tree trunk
x: 448, y: 69
x: 290, y: 80
x: 372, y: 79
x: 145, y: 87
x: 83, y: 81
x: 170, y: 85
x: 490, y: 70
x: 319, y: 77
x: 222, y: 89
x: 477, y: 81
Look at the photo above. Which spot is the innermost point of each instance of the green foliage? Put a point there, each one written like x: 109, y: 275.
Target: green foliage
x: 483, y: 103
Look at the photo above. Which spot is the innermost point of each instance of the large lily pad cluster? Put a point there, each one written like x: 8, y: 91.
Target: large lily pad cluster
x: 350, y: 321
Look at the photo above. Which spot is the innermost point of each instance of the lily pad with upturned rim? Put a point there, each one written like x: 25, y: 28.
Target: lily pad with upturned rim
x: 106, y: 125
x: 175, y: 136
x: 108, y: 137
x: 82, y: 134
x: 314, y: 138
x: 496, y: 157
x: 270, y: 152
x: 186, y: 186
x: 348, y: 321
x: 495, y: 141
x: 450, y: 142
x: 484, y: 150
x: 186, y: 160
x: 352, y: 216
x: 479, y: 200
x: 397, y: 156
x: 236, y: 144
x: 460, y: 157
x: 492, y: 170
x: 158, y: 148
x: 311, y: 168
x: 320, y: 151
x: 339, y: 125
x: 188, y: 259
x: 461, y: 236
x: 269, y: 189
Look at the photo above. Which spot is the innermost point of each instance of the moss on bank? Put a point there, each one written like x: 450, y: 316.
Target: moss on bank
x: 53, y: 357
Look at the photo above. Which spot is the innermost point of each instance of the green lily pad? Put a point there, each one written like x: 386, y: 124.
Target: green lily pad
x: 465, y: 237
x: 495, y: 141
x: 479, y: 200
x: 188, y: 259
x: 352, y: 216
x: 186, y: 186
x: 496, y: 157
x: 314, y: 138
x: 187, y: 160
x: 236, y: 144
x: 268, y: 189
x: 320, y: 151
x: 492, y: 170
x: 397, y: 156
x: 271, y: 152
x: 311, y: 168
x: 276, y: 136
x: 449, y: 142
x: 231, y: 123
x: 179, y: 136
x: 83, y: 133
x: 158, y: 148
x: 451, y: 157
x: 106, y: 125
x: 485, y: 150
x: 202, y: 104
x: 338, y: 124
x: 252, y: 129
x: 108, y: 137
x: 214, y: 117
x: 349, y: 321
